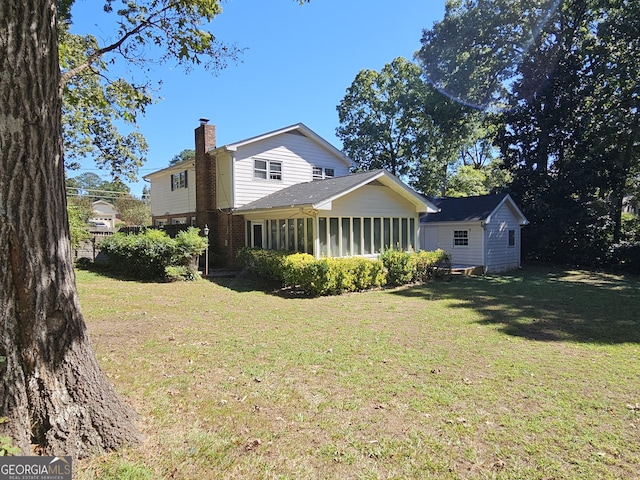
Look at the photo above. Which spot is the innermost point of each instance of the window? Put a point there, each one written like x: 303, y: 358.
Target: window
x: 264, y: 170
x: 346, y: 237
x: 260, y: 169
x: 320, y: 173
x: 179, y: 180
x: 275, y: 171
x: 512, y: 238
x: 460, y: 238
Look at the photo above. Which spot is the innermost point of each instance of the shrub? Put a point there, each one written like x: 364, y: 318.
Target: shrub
x: 399, y: 265
x: 264, y: 263
x: 428, y: 265
x: 178, y: 273
x: 333, y: 276
x: 625, y: 257
x: 188, y: 246
x: 148, y: 254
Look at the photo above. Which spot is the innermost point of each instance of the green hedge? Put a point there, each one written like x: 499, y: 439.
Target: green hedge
x: 408, y: 267
x: 333, y: 276
x: 152, y: 255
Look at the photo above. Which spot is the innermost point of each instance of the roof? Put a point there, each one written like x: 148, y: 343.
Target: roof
x: 471, y: 209
x: 298, y: 128
x: 187, y: 164
x: 318, y: 193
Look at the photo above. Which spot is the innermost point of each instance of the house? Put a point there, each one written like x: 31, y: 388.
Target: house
x: 286, y: 189
x: 477, y: 231
x: 104, y: 215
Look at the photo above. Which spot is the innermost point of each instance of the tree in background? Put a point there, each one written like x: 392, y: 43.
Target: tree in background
x: 186, y: 154
x: 560, y: 80
x: 94, y: 187
x: 133, y: 211
x: 382, y: 121
x: 395, y: 120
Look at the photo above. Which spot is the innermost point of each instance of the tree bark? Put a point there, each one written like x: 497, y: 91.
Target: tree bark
x: 54, y: 394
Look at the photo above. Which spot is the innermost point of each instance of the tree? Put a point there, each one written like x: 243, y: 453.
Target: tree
x: 186, y: 154
x: 392, y: 119
x: 97, y: 106
x: 382, y: 121
x: 133, y: 211
x: 52, y: 390
x: 560, y: 78
x: 94, y: 187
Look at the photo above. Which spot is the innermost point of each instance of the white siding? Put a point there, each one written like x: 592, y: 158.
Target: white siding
x: 165, y: 201
x: 436, y: 235
x: 372, y: 201
x: 298, y: 155
x: 224, y: 182
x: 500, y: 256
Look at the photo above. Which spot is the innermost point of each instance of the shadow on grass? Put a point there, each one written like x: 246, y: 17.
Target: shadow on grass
x: 547, y: 304
x: 105, y: 271
x: 245, y: 282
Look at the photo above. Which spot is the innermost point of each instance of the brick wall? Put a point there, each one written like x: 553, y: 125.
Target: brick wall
x: 226, y: 231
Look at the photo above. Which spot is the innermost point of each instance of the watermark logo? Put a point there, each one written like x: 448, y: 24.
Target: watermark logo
x: 35, y: 468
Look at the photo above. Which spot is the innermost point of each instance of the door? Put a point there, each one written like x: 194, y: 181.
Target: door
x: 256, y: 235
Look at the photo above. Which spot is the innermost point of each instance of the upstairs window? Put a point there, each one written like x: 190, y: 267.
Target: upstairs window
x: 460, y: 238
x: 275, y: 171
x: 179, y: 180
x: 267, y: 170
x: 320, y: 173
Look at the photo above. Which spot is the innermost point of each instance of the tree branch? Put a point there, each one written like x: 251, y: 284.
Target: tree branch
x: 145, y: 23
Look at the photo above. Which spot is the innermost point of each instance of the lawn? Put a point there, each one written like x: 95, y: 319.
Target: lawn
x: 534, y: 375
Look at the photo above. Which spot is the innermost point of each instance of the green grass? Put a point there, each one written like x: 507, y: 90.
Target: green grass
x: 532, y: 375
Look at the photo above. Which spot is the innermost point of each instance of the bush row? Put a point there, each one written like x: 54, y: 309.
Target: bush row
x: 153, y: 255
x: 333, y: 276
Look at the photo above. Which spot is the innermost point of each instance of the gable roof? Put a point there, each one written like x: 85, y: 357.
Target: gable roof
x: 319, y: 193
x: 471, y: 209
x: 298, y: 128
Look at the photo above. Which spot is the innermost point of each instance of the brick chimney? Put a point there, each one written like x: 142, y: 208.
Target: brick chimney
x: 205, y: 139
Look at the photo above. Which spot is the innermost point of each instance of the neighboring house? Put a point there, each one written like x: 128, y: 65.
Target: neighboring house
x: 477, y: 231
x: 287, y: 189
x: 104, y: 215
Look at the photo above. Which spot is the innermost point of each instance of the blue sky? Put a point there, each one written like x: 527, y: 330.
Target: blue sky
x: 298, y: 63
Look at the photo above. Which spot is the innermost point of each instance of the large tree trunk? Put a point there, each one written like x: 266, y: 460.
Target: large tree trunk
x: 56, y: 398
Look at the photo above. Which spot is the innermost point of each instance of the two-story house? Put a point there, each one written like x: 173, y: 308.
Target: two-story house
x: 287, y: 189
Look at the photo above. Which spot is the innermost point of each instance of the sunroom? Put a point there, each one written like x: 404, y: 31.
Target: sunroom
x: 360, y: 214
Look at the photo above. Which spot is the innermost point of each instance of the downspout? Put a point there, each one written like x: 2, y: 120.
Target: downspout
x: 483, y: 224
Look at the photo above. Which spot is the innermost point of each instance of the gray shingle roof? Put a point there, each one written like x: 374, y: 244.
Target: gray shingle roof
x: 463, y: 209
x: 310, y: 193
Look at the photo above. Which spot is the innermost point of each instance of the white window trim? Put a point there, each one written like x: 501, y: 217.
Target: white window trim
x: 273, y: 168
x: 464, y: 237
x: 322, y: 172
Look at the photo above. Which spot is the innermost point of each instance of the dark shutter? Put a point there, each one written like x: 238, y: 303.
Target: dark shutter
x: 171, y: 180
x: 185, y: 179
